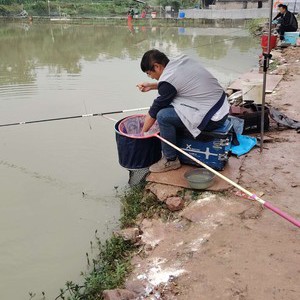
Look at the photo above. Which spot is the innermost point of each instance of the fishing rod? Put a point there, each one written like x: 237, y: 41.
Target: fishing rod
x: 75, y: 117
x: 266, y: 204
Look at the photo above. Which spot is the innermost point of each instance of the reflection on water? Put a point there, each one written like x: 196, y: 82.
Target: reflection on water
x: 49, y: 70
x: 62, y: 47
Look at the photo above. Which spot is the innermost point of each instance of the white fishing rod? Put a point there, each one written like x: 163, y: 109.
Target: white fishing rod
x: 76, y: 117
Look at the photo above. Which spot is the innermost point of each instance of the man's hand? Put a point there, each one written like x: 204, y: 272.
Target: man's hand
x: 147, y: 86
x: 149, y: 121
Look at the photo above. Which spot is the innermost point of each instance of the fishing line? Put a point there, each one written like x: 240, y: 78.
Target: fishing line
x: 109, y: 118
x: 87, y: 113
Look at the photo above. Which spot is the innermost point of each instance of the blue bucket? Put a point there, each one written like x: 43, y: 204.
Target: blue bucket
x: 291, y: 37
x: 182, y: 15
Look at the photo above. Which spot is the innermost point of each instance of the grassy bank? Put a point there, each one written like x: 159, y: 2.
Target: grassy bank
x: 111, y: 265
x: 256, y: 26
x: 55, y: 8
x: 10, y: 10
x: 138, y: 203
x: 74, y: 9
x: 105, y: 12
x: 108, y: 271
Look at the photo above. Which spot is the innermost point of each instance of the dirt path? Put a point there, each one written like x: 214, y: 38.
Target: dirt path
x: 225, y: 247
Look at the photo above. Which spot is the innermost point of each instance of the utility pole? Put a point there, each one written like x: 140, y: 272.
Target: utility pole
x: 295, y: 6
x: 49, y: 8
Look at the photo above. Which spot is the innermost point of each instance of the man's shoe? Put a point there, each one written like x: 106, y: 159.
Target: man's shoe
x: 165, y: 165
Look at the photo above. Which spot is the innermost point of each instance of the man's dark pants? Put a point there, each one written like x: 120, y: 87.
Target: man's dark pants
x: 169, y: 122
x: 285, y: 28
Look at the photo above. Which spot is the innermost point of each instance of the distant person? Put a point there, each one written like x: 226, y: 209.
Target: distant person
x: 130, y: 25
x: 132, y: 12
x: 286, y: 21
x: 143, y: 15
x: 189, y: 97
x: 129, y: 17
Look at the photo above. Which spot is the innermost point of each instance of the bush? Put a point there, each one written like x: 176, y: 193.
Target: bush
x: 39, y: 8
x: 84, y: 8
x: 6, y: 2
x: 7, y: 10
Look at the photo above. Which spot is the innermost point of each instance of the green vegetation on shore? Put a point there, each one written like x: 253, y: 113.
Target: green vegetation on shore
x: 86, y: 8
x: 137, y: 202
x: 111, y: 265
x: 255, y: 26
x: 108, y: 271
x: 82, y: 7
x: 74, y: 8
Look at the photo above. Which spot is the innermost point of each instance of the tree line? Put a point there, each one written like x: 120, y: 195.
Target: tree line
x: 87, y: 7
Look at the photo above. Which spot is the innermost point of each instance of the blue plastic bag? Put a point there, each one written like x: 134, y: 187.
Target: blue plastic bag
x: 246, y: 144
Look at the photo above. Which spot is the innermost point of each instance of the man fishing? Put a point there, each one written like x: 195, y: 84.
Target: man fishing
x: 188, y: 97
x: 286, y: 20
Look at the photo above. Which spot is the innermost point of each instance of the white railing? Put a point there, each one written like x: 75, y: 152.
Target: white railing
x: 226, y: 13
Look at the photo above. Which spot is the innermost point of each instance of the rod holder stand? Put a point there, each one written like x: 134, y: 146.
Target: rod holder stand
x: 267, y: 57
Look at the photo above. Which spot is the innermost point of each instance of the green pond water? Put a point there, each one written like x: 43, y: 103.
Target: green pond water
x: 52, y: 70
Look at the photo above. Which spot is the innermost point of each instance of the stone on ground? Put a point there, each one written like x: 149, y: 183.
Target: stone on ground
x: 118, y: 294
x: 162, y: 191
x: 175, y: 203
x: 129, y: 234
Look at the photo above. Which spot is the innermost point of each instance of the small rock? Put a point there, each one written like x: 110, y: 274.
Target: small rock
x: 135, y: 286
x: 129, y: 234
x: 175, y: 203
x: 281, y: 70
x: 253, y: 212
x: 146, y: 223
x: 293, y: 185
x: 276, y: 55
x: 163, y: 191
x: 118, y: 294
x: 148, y: 247
x: 282, y: 61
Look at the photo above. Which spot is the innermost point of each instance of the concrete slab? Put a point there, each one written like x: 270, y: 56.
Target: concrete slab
x: 272, y: 81
x: 176, y: 177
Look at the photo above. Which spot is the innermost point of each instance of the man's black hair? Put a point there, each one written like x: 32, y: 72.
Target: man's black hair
x: 283, y: 6
x: 151, y: 57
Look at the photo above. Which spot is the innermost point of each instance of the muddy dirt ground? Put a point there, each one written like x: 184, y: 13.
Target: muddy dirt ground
x: 223, y: 246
